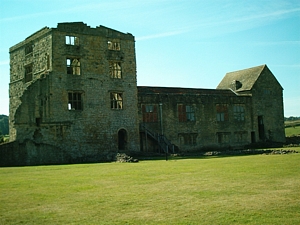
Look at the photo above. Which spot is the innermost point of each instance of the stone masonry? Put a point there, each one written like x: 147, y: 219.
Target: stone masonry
x: 74, y: 98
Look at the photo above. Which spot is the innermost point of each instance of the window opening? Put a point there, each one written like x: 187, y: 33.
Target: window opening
x: 223, y: 137
x: 116, y: 100
x: 222, y: 112
x: 115, y: 70
x: 149, y: 113
x: 239, y: 112
x: 114, y: 45
x: 28, y: 73
x: 28, y: 49
x: 186, y: 113
x: 72, y: 40
x: 188, y: 138
x: 74, y: 101
x: 73, y: 66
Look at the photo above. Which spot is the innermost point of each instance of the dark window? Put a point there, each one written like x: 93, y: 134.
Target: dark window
x: 114, y: 45
x: 188, y: 139
x: 186, y: 113
x: 72, y: 40
x: 222, y: 112
x: 73, y: 66
x: 116, y: 100
x: 75, y: 101
x: 149, y: 113
x: 223, y: 137
x: 28, y: 49
x: 239, y: 112
x: 28, y: 73
x: 115, y: 70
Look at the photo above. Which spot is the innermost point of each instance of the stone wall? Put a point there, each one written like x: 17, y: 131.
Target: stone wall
x: 39, y: 108
x: 204, y: 131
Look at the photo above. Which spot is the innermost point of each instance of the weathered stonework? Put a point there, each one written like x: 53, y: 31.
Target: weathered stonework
x: 74, y: 98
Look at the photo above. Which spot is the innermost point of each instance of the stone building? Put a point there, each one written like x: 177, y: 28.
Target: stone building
x: 74, y: 98
x: 246, y: 108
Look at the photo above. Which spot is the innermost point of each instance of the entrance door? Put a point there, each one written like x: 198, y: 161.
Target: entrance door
x: 261, y: 128
x: 122, y: 139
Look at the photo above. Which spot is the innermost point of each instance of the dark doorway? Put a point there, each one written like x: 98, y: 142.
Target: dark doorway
x: 122, y: 139
x: 252, y: 137
x: 261, y: 128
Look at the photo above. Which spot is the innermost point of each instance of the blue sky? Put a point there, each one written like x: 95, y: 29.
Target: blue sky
x: 179, y: 43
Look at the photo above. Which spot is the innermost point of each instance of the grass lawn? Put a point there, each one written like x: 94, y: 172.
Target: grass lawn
x: 259, y: 189
x: 291, y: 131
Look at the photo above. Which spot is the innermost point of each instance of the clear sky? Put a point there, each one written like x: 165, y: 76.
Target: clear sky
x: 179, y: 43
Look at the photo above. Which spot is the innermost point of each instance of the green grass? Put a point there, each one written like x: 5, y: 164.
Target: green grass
x: 292, y: 131
x: 260, y: 189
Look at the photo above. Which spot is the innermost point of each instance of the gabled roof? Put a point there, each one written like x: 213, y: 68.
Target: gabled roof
x: 185, y: 91
x: 241, y: 80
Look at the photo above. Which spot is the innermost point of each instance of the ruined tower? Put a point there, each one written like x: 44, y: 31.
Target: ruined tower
x: 73, y: 89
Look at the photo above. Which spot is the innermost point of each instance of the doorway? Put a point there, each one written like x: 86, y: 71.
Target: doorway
x: 122, y: 139
x: 261, y: 128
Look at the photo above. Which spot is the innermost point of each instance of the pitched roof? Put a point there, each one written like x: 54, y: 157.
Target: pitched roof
x: 241, y: 80
x: 186, y: 91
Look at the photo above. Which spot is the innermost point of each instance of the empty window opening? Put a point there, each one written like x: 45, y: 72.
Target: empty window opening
x: 72, y: 40
x: 239, y: 112
x: 114, y: 45
x: 222, y: 112
x: 28, y: 49
x: 74, y: 101
x: 186, y: 113
x: 73, y: 66
x: 28, y: 73
x: 188, y: 138
x: 223, y: 137
x: 116, y: 100
x: 115, y: 70
x: 149, y: 113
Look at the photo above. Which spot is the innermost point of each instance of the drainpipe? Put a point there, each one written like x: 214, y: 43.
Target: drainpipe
x: 161, y: 119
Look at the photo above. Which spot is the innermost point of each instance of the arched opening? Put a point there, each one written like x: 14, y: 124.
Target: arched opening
x: 122, y: 139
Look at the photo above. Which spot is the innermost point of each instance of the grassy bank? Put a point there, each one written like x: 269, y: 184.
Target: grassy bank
x: 260, y: 189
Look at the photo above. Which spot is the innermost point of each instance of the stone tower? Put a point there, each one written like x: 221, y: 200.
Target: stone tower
x: 73, y: 89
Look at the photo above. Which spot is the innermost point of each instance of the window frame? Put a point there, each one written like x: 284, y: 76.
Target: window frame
x: 72, y: 40
x: 75, y: 100
x: 73, y: 69
x: 222, y: 113
x: 28, y: 74
x: 116, y: 100
x: 239, y: 112
x: 115, y: 69
x: 186, y: 113
x: 150, y: 113
x: 113, y: 45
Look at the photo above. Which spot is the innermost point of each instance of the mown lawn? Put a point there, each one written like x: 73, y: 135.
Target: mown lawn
x: 292, y: 131
x: 260, y: 189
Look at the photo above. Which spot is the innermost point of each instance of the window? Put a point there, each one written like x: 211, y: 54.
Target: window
x: 75, y: 101
x: 114, y: 45
x: 73, y: 66
x: 115, y: 70
x: 188, y: 139
x: 222, y: 112
x: 28, y: 73
x: 149, y: 113
x: 28, y: 49
x: 116, y: 100
x: 72, y: 40
x: 223, y: 137
x: 240, y: 136
x: 186, y: 113
x: 239, y: 112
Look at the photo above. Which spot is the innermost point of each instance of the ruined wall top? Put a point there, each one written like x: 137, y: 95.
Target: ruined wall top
x: 75, y: 27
